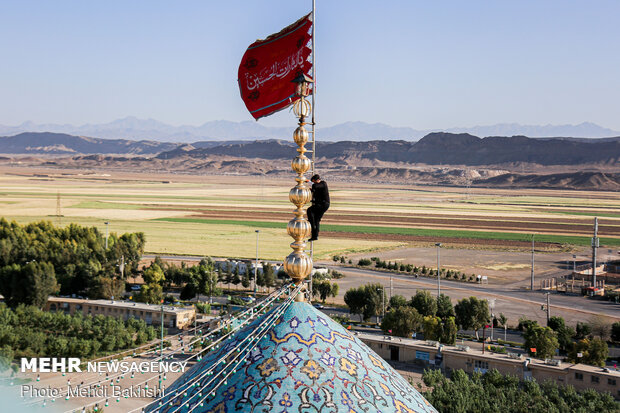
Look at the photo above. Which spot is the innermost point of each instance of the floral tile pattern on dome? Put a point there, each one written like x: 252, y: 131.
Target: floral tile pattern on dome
x: 305, y: 363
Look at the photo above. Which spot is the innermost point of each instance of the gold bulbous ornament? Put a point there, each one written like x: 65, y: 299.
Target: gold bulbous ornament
x: 301, y: 164
x: 298, y: 265
x: 300, y: 136
x: 299, y: 195
x: 299, y: 229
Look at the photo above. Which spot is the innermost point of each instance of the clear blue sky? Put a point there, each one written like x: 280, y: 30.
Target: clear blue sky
x: 424, y: 64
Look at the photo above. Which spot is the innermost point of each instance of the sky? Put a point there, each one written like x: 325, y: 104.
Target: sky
x: 422, y: 64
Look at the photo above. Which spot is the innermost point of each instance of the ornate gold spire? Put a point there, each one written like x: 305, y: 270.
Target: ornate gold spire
x: 298, y: 264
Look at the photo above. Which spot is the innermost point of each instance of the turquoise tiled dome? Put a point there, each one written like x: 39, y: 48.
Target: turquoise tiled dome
x: 304, y: 363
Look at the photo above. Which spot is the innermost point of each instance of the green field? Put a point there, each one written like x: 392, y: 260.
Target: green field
x: 168, y: 210
x: 439, y: 233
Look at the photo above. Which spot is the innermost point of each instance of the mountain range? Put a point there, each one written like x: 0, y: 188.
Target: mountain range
x: 132, y: 128
x: 434, y: 149
x: 437, y: 148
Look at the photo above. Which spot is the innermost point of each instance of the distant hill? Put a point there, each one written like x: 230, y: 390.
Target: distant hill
x: 218, y: 130
x: 60, y: 143
x: 436, y: 149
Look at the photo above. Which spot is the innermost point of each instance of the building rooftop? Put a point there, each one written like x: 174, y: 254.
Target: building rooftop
x: 487, y: 354
x: 122, y: 304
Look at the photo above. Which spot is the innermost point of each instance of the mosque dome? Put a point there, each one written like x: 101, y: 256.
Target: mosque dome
x: 294, y: 358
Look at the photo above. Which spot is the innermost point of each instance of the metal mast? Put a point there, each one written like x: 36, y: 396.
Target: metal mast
x: 594, y: 247
x: 313, y: 122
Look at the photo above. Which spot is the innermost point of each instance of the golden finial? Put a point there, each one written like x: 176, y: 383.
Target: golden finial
x: 298, y: 264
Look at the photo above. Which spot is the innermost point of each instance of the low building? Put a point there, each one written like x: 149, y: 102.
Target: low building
x: 449, y: 358
x: 174, y: 317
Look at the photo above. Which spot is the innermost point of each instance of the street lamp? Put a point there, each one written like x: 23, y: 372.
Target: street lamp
x: 382, y: 289
x: 256, y: 264
x: 106, y: 234
x: 532, y: 271
x: 438, y: 245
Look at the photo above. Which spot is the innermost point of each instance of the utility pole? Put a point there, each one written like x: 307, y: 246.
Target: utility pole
x: 438, y: 245
x: 594, y: 247
x: 391, y: 287
x: 548, y: 309
x: 161, y: 345
x: 382, y: 289
x: 256, y: 263
x: 58, y: 211
x: 532, y: 271
x: 492, y: 307
x: 106, y: 234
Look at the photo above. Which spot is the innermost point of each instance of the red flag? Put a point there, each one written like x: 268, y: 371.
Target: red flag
x: 269, y: 66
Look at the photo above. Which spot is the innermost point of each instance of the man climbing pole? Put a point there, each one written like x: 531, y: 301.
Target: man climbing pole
x: 320, y: 204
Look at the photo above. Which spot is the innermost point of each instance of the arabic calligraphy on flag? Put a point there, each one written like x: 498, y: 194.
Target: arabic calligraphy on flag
x: 268, y: 67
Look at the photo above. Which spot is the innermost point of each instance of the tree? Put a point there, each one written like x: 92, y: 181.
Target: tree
x: 206, y: 278
x: 600, y: 327
x: 424, y: 303
x: 440, y: 330
x: 188, y: 291
x: 450, y: 329
x: 245, y: 281
x: 582, y: 330
x: 236, y: 280
x: 6, y: 357
x: 354, y: 299
x: 565, y: 334
x: 153, y: 275
x: 397, y: 301
x: 402, y: 321
x: 589, y: 351
x: 502, y: 320
x: 543, y: 339
x: 324, y: 289
x: 29, y: 284
x: 615, y: 331
x: 444, y: 307
x: 365, y: 300
x: 150, y: 293
x: 472, y: 313
x: 269, y: 277
x: 494, y: 392
x: 229, y: 274
x: 105, y: 287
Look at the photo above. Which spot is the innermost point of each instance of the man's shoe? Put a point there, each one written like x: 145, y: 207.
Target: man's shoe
x: 312, y: 239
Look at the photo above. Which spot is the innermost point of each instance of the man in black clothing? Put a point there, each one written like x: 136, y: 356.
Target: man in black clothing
x: 320, y: 204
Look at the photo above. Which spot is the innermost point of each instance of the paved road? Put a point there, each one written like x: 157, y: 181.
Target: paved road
x: 513, y: 302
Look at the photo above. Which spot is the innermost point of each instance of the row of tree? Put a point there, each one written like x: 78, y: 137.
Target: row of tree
x: 27, y: 331
x: 410, y: 268
x: 494, y: 392
x: 579, y: 346
x: 198, y: 280
x: 435, y: 316
x: 39, y: 259
x: 440, y: 321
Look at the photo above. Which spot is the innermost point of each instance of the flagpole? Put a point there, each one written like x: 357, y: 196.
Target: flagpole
x: 313, y: 122
x: 314, y: 82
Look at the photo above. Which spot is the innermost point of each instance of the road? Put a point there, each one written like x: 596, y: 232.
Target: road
x: 513, y: 302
